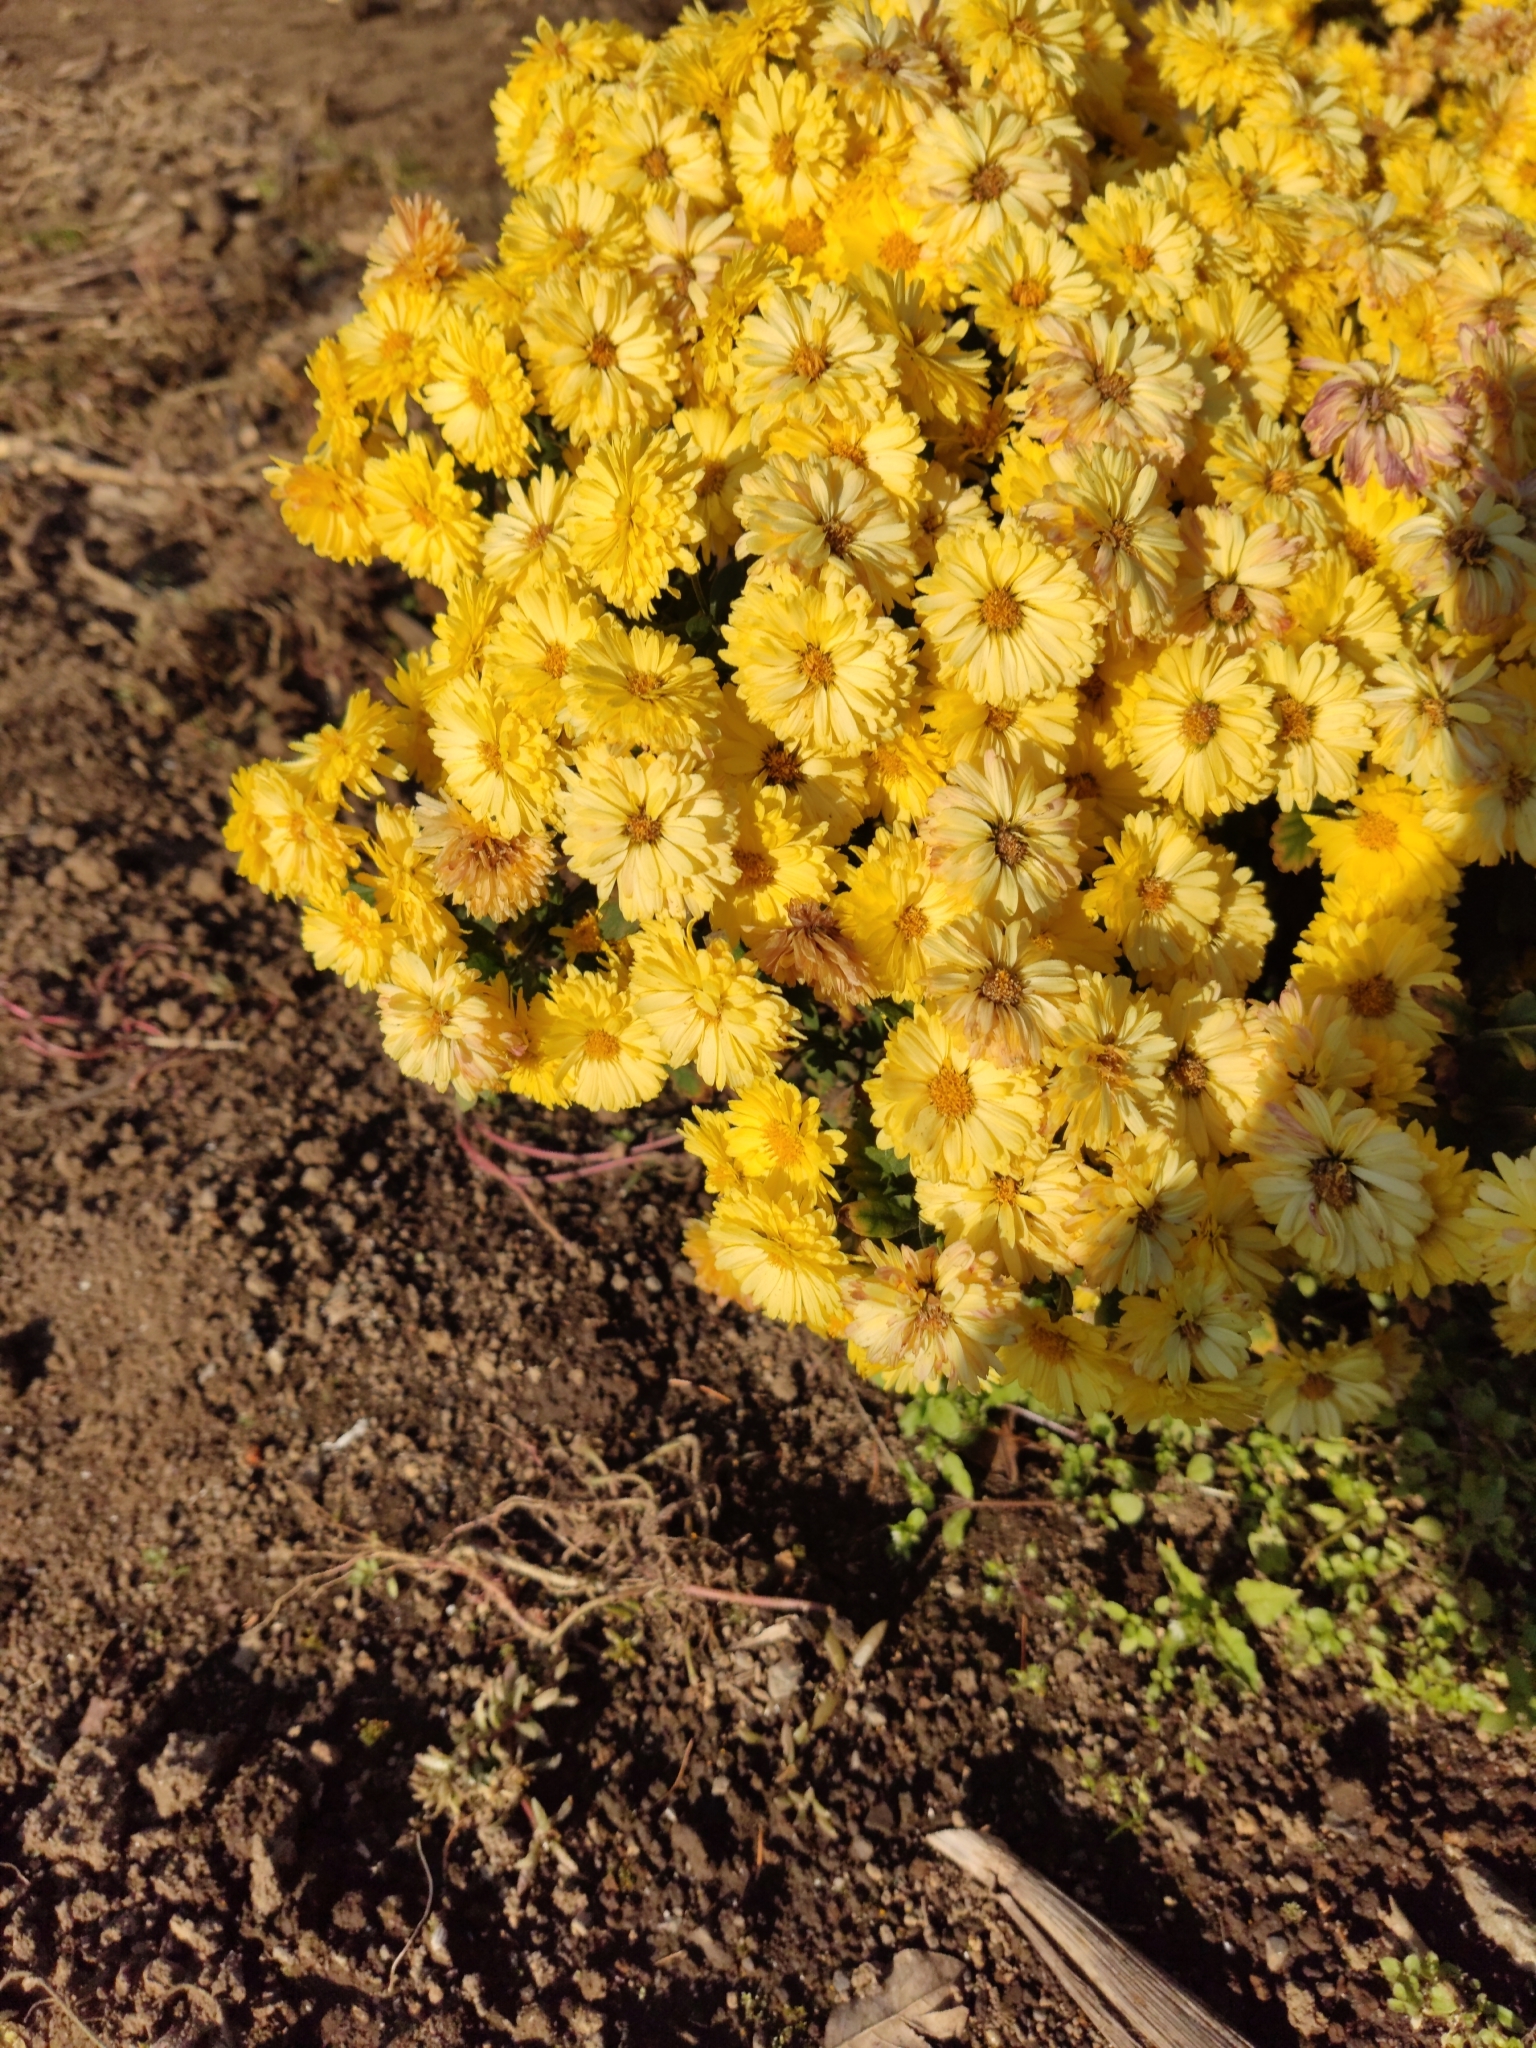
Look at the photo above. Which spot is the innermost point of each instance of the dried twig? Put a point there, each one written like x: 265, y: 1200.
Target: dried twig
x: 426, y: 1914
x: 479, y: 1161
x: 1047, y: 1422
x: 56, y: 1998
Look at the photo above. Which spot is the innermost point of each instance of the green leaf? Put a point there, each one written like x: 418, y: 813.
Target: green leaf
x: 954, y: 1528
x: 1482, y: 1495
x: 952, y: 1466
x: 919, y: 1492
x: 687, y: 1083
x: 1264, y: 1602
x: 1236, y: 1652
x: 880, y: 1216
x: 943, y: 1417
x: 1201, y: 1469
x: 1127, y: 1507
x: 1291, y: 842
x: 613, y: 924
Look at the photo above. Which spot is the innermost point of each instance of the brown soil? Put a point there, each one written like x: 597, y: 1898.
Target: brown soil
x: 254, y: 1298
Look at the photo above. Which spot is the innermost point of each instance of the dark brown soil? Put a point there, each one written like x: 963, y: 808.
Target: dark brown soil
x: 255, y: 1303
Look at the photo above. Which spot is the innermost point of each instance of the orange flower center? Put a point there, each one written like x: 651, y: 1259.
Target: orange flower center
x: 1188, y: 1073
x: 654, y: 163
x: 912, y: 923
x: 817, y: 668
x: 1333, y: 1184
x: 756, y: 868
x: 1002, y: 986
x: 1376, y: 997
x: 601, y: 353
x: 782, y: 154
x: 1011, y: 844
x: 989, y: 183
x: 808, y: 361
x: 601, y: 1045
x: 641, y: 830
x: 1295, y: 719
x: 1199, y: 725
x: 951, y: 1093
x: 899, y: 252
x: 1155, y: 893
x: 1001, y: 612
x: 1376, y: 832
x: 840, y: 537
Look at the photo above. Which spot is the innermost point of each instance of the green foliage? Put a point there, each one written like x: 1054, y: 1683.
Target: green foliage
x: 1324, y: 1552
x: 1428, y: 1992
x: 496, y: 1750
x: 1192, y: 1622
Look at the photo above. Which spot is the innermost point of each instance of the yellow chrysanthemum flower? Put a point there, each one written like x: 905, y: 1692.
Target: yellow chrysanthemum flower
x: 325, y: 508
x: 787, y: 144
x: 442, y: 1024
x: 1132, y: 1222
x: 948, y: 1111
x: 1001, y: 843
x: 1188, y: 1329
x: 1382, y: 855
x: 893, y: 903
x: 633, y: 687
x: 477, y: 396
x: 421, y: 516
x: 805, y: 354
x: 1322, y: 723
x: 649, y: 832
x: 344, y: 934
x: 783, y: 1255
x: 633, y: 517
x: 601, y: 360
x: 1018, y: 1214
x: 772, y: 1131
x: 1322, y: 1393
x: 708, y: 1009
x: 498, y: 762
x: 1200, y: 730
x: 1110, y: 1055
x: 924, y: 1320
x: 820, y: 667
x: 777, y: 858
x: 1009, y: 618
x: 388, y: 349
x: 603, y: 1055
x: 1022, y: 276
x: 286, y: 842
x: 1058, y: 1364
x: 1157, y: 893
x: 1004, y: 991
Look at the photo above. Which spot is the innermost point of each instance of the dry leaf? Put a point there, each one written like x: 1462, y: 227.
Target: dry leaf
x: 1500, y: 1913
x: 1161, y: 2012
x: 916, y: 2004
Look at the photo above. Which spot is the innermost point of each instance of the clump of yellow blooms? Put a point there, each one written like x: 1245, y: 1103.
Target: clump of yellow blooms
x: 912, y: 484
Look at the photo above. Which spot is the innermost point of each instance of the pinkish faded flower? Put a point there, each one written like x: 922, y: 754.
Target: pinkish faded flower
x: 1474, y: 560
x: 1380, y: 421
x: 1497, y: 386
x: 1233, y: 581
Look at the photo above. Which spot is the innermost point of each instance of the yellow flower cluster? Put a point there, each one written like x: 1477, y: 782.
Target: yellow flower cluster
x: 913, y: 485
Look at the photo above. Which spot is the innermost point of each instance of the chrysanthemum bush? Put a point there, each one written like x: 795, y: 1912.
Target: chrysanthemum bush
x: 945, y: 518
